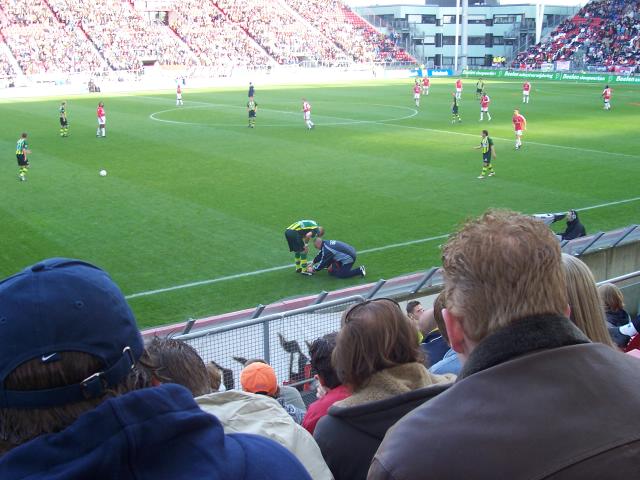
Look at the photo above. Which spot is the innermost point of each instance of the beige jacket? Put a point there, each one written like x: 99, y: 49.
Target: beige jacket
x: 243, y: 412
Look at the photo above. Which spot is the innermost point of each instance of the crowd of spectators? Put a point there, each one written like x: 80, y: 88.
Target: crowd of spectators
x: 350, y: 32
x: 285, y: 36
x: 41, y: 43
x: 215, y: 40
x: 94, y: 36
x: 123, y: 37
x: 538, y: 377
x: 606, y: 32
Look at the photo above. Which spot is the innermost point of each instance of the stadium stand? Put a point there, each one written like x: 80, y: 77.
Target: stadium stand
x: 216, y: 40
x: 123, y: 37
x: 284, y: 34
x: 349, y: 31
x: 607, y: 32
x: 95, y: 36
x: 41, y: 43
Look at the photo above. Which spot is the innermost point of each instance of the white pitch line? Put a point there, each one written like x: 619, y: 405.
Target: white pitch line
x: 526, y: 142
x: 369, y: 250
x: 384, y: 122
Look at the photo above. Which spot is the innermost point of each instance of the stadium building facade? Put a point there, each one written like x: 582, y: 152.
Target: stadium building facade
x: 428, y: 31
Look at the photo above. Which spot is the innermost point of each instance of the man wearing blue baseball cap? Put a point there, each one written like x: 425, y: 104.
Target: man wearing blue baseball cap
x: 75, y: 394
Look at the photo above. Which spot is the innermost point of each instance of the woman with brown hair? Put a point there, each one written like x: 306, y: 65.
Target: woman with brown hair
x: 378, y: 359
x: 613, y: 302
x: 586, y: 311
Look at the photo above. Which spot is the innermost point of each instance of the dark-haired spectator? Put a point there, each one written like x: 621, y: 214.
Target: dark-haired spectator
x: 175, y: 361
x: 535, y: 398
x: 613, y: 302
x: 574, y: 229
x: 215, y: 376
x: 450, y: 362
x: 76, y: 403
x: 330, y: 389
x: 433, y: 343
x: 586, y: 310
x: 414, y: 310
x: 259, y: 377
x: 378, y: 359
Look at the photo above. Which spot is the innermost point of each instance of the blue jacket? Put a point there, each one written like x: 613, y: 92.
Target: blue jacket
x: 334, y: 251
x: 154, y: 433
x: 434, y: 346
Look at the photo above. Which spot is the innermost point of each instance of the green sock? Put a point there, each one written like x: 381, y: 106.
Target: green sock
x: 297, y: 257
x: 303, y: 261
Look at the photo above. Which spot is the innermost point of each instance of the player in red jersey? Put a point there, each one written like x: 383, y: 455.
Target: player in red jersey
x: 519, y: 125
x: 179, y: 96
x: 306, y: 111
x: 484, y: 106
x: 459, y: 89
x: 102, y: 120
x: 526, y: 89
x: 416, y: 93
x: 606, y: 95
x: 425, y: 85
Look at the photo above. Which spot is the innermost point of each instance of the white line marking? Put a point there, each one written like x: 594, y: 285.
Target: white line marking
x: 369, y: 250
x: 347, y: 121
x: 526, y: 142
x: 620, y: 202
x: 350, y: 121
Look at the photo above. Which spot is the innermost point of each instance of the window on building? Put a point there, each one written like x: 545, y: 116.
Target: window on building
x: 498, y: 40
x: 502, y: 19
x: 476, y: 40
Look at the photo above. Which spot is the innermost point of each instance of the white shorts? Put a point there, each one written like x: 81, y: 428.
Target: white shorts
x: 102, y: 120
x: 307, y: 116
x: 416, y: 96
x: 518, y: 133
x: 484, y: 109
x: 525, y: 93
x: 179, y: 96
x: 458, y: 90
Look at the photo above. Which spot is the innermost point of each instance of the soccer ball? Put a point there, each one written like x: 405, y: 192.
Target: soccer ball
x: 103, y: 173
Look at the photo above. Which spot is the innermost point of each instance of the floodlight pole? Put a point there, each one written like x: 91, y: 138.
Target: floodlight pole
x: 455, y: 53
x: 465, y: 33
x: 539, y: 20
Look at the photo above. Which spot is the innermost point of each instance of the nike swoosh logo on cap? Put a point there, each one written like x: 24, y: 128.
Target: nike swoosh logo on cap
x: 46, y: 358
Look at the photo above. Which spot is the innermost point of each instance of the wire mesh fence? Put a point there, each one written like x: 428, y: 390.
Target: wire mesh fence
x: 282, y: 340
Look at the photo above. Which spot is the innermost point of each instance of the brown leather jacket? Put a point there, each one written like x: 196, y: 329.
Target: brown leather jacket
x: 535, y: 400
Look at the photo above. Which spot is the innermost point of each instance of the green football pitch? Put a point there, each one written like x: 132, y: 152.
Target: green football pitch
x: 194, y: 195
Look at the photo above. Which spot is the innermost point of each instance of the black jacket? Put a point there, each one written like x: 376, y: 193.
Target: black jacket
x: 349, y: 437
x: 575, y: 229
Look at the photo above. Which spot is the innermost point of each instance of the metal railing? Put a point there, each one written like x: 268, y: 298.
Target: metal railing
x: 282, y: 339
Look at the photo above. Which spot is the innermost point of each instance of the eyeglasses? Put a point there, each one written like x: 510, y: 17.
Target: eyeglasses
x: 353, y: 308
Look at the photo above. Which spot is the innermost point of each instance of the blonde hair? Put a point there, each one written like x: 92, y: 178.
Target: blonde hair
x: 611, y: 297
x: 502, y: 267
x: 586, y: 311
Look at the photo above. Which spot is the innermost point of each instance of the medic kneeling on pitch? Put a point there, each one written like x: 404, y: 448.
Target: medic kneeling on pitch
x: 337, y: 257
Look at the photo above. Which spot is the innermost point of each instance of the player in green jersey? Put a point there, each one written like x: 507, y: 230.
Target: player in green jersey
x: 64, y: 124
x: 252, y: 108
x: 22, y: 150
x: 479, y: 88
x: 455, y: 114
x: 298, y: 235
x: 488, y: 154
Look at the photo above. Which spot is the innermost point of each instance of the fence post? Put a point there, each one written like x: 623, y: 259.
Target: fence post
x: 320, y: 298
x: 624, y: 235
x: 376, y: 288
x: 188, y: 326
x: 258, y: 311
x: 428, y: 276
x: 590, y: 244
x: 265, y: 342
